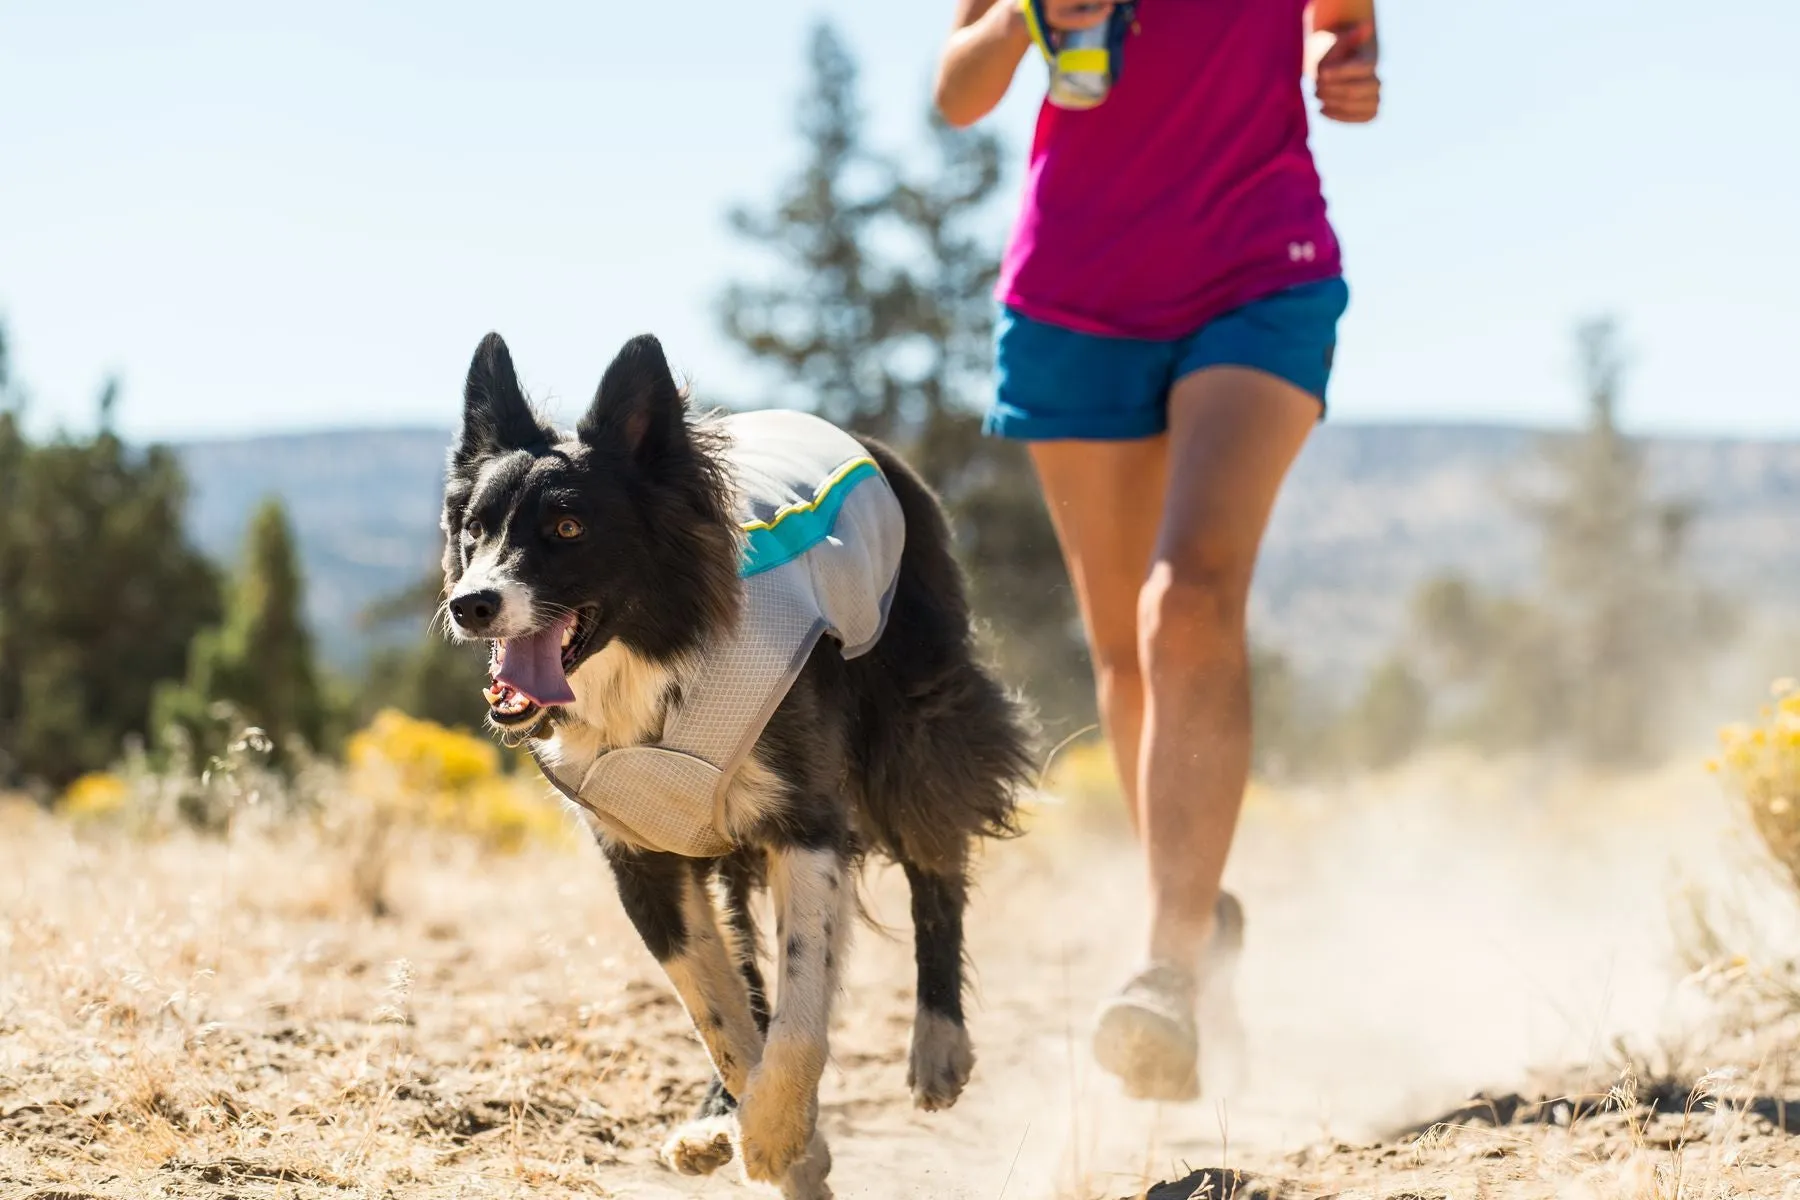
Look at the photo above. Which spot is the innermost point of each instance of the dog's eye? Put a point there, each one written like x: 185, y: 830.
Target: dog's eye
x: 568, y: 529
x: 474, y: 530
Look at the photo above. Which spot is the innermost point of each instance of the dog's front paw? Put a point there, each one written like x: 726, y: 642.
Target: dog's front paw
x: 699, y: 1147
x: 942, y: 1059
x: 776, y: 1118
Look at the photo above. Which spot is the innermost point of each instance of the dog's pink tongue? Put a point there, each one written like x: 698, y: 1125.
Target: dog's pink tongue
x: 533, y: 666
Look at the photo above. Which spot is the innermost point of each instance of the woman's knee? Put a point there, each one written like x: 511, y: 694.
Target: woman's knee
x: 1117, y: 678
x: 1110, y: 615
x: 1194, y: 607
x: 1115, y: 660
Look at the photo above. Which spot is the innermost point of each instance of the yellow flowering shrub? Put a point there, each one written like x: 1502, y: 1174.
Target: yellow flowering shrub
x: 96, y: 796
x: 422, y: 757
x: 418, y: 771
x: 1760, y: 762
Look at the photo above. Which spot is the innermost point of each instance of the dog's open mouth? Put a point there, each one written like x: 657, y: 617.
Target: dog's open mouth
x: 531, y: 673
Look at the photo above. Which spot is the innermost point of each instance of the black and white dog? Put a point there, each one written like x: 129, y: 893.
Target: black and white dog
x: 610, y: 559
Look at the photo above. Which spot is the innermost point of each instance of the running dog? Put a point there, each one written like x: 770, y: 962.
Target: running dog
x: 741, y: 648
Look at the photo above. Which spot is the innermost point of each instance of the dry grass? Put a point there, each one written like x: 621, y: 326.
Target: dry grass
x: 198, y: 1017
x: 242, y: 1014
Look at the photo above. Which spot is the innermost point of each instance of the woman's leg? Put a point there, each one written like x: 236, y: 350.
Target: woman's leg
x: 1233, y: 434
x: 1160, y: 521
x: 1105, y: 500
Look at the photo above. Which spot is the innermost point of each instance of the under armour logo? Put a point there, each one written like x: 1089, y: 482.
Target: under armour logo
x: 1301, y: 252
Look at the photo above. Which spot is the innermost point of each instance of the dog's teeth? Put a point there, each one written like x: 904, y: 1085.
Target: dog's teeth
x: 568, y: 637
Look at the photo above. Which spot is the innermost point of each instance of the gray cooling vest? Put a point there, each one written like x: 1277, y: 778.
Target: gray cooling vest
x: 822, y: 534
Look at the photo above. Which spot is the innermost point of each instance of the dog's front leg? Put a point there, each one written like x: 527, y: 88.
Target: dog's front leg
x: 778, y: 1110
x: 665, y: 897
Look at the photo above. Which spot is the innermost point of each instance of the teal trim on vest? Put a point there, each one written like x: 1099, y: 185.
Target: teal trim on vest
x: 795, y: 530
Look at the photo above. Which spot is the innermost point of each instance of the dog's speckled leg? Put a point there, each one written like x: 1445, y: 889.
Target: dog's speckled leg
x: 666, y: 899
x: 712, y: 989
x: 778, y: 1110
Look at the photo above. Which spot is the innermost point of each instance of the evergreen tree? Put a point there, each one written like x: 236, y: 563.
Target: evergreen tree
x: 882, y: 321
x: 1282, y: 736
x: 100, y: 593
x: 1614, y: 555
x: 12, y: 473
x: 1590, y: 662
x: 819, y: 323
x: 259, y: 660
x: 1389, y: 720
x: 943, y: 307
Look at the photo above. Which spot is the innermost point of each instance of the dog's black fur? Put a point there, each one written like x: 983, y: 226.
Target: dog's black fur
x: 911, y: 751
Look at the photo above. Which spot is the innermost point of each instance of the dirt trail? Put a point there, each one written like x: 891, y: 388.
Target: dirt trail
x: 182, y: 1020
x: 1411, y: 940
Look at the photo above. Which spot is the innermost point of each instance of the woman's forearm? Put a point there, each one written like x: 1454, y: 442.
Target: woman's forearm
x: 979, y: 61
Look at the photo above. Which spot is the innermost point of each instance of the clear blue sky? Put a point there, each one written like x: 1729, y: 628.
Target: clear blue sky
x: 305, y: 216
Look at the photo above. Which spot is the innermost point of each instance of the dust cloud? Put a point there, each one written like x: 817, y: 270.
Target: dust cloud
x: 1413, y: 938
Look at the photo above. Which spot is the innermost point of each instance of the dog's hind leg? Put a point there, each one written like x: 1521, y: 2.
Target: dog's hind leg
x: 942, y: 1056
x: 665, y: 896
x: 778, y: 1113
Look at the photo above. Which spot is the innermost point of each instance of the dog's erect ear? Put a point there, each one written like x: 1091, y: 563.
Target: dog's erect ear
x: 495, y: 415
x: 638, y: 407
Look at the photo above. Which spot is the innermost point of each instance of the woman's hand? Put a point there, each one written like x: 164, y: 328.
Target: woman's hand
x: 1345, y: 81
x: 989, y: 40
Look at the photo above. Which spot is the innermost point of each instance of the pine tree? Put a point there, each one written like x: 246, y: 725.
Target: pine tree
x: 100, y: 593
x: 943, y: 301
x: 1389, y: 720
x: 12, y: 472
x: 1614, y: 570
x: 259, y: 660
x: 820, y: 323
x: 882, y: 321
x: 1590, y: 661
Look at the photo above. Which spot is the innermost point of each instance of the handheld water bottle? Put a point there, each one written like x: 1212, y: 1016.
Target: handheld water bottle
x: 1084, y: 63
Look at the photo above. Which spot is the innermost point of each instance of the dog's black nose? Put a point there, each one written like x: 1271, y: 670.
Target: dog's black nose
x: 474, y: 612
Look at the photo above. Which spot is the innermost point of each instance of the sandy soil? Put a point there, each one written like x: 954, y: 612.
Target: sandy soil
x: 196, y: 1018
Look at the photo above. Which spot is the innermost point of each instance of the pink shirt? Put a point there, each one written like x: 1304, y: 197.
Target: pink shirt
x: 1189, y: 192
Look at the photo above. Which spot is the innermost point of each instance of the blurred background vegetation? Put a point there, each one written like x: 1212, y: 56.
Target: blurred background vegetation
x: 120, y: 642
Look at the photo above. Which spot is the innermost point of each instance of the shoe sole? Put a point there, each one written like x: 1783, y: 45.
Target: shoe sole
x: 1154, y: 1057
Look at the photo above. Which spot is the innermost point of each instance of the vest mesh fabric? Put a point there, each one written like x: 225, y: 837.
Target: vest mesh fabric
x: 823, y: 537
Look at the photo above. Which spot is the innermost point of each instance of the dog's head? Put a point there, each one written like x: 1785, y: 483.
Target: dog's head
x: 556, y: 545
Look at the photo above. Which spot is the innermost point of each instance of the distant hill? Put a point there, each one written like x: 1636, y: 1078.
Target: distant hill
x: 364, y: 506
x: 1370, y: 511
